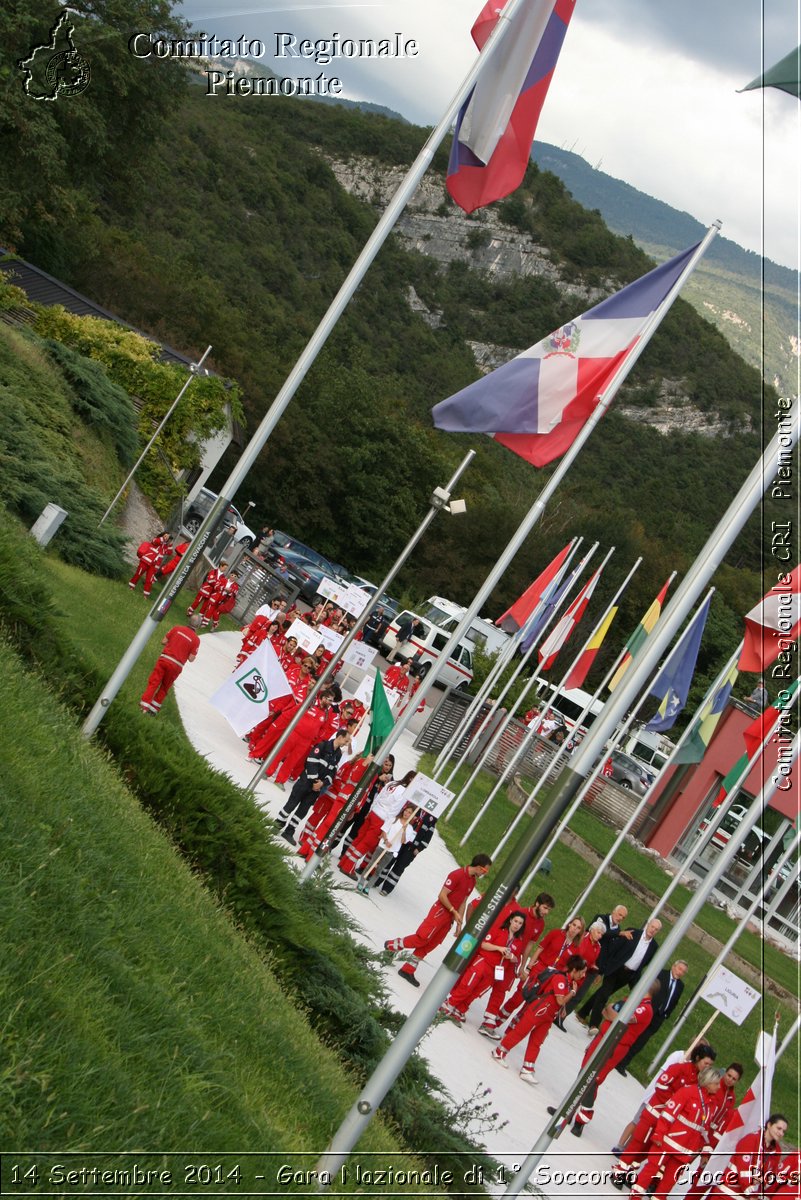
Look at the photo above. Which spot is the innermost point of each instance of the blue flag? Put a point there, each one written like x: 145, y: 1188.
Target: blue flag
x: 551, y: 598
x: 672, y: 684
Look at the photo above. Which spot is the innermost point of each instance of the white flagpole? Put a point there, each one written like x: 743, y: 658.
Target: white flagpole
x: 499, y: 667
x: 406, y: 190
x: 497, y: 735
x: 643, y: 803
x: 568, y: 783
x: 518, y: 538
x: 561, y: 754
x: 739, y: 927
x: 528, y: 738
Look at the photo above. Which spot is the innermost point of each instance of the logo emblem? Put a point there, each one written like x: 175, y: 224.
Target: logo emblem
x: 56, y: 69
x: 253, y: 686
x: 565, y: 339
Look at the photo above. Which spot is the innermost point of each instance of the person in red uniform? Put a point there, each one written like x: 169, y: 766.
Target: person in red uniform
x: 556, y: 986
x: 169, y: 564
x: 503, y: 944
x: 448, y: 909
x: 553, y: 951
x: 259, y: 630
x: 264, y: 736
x: 330, y: 804
x: 589, y: 948
x: 637, y: 1022
x: 674, y: 1077
x: 726, y: 1102
x: 788, y: 1178
x: 150, y: 555
x: 757, y: 1157
x: 312, y: 727
x: 681, y: 1132
x: 535, y: 916
x: 397, y: 681
x: 222, y: 598
x: 207, y: 587
x: 181, y: 645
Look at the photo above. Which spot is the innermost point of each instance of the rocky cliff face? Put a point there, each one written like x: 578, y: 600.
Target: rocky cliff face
x: 433, y: 226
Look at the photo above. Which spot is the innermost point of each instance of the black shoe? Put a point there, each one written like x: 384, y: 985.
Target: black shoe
x: 559, y: 1023
x: 618, y: 1179
x: 409, y: 978
x: 621, y: 1070
x: 576, y: 1130
x: 289, y: 836
x: 551, y: 1111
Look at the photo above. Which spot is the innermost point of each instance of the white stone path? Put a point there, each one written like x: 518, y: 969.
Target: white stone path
x: 458, y: 1057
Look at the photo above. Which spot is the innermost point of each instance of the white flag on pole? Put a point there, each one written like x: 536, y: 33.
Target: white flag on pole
x: 244, y: 698
x: 754, y: 1109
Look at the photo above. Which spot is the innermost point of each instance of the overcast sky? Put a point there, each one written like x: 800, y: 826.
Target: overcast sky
x: 645, y: 89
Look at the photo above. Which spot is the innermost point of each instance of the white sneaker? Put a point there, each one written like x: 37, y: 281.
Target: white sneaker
x: 488, y: 1031
x: 500, y: 1058
x: 528, y: 1077
x: 593, y: 1029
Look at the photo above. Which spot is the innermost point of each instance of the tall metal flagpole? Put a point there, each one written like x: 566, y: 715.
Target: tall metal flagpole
x: 298, y: 373
x: 497, y: 669
x: 567, y: 784
x: 640, y: 808
x: 587, y: 1076
x: 193, y: 370
x: 528, y: 737
x: 739, y: 928
x: 540, y: 620
x: 517, y: 540
x: 439, y: 500
x: 499, y: 731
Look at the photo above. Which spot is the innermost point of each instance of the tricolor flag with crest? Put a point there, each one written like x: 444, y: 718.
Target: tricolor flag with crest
x: 537, y: 404
x: 496, y: 125
x: 244, y: 698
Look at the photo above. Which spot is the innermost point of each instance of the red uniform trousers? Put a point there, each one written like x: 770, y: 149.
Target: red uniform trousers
x: 147, y: 567
x: 296, y: 750
x: 162, y: 677
x: 261, y: 746
x: 364, y: 843
x: 492, y: 1014
x: 535, y: 1020
x: 321, y: 818
x: 670, y: 1165
x: 639, y: 1142
x: 429, y: 934
x: 475, y: 981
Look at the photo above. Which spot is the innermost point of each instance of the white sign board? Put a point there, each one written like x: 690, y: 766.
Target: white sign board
x: 729, y: 994
x: 308, y: 639
x: 356, y: 600
x: 428, y: 795
x: 359, y: 655
x: 364, y: 692
x: 333, y: 591
x: 330, y: 638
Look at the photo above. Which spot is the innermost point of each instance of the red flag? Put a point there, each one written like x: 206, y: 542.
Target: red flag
x: 773, y: 625
x: 515, y: 617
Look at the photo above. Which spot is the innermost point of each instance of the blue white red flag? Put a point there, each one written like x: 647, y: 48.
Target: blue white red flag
x: 496, y: 125
x: 537, y: 403
x: 551, y: 599
x: 561, y: 632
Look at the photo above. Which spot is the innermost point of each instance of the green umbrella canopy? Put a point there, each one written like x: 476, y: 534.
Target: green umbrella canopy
x: 785, y: 75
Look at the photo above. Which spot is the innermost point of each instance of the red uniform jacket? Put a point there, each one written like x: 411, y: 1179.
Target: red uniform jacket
x: 683, y: 1127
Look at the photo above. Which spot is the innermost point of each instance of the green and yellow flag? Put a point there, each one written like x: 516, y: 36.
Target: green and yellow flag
x: 640, y: 634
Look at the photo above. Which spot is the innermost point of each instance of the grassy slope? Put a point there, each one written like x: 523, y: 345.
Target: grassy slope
x: 571, y: 873
x: 135, y: 1015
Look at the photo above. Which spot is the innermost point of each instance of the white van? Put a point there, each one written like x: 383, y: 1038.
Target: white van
x: 426, y: 648
x: 570, y: 705
x: 447, y: 616
x: 651, y: 748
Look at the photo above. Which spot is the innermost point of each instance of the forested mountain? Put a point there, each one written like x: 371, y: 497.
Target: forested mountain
x: 749, y: 298
x: 229, y: 224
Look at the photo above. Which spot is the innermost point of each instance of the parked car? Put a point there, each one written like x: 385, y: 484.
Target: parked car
x: 390, y: 606
x: 298, y: 563
x: 199, y: 508
x: 627, y: 772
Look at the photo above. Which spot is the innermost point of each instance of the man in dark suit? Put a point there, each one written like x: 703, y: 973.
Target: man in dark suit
x: 611, y: 922
x: 671, y: 986
x: 623, y: 958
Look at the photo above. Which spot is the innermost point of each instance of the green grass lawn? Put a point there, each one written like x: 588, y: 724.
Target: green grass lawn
x: 570, y: 874
x: 134, y: 1014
